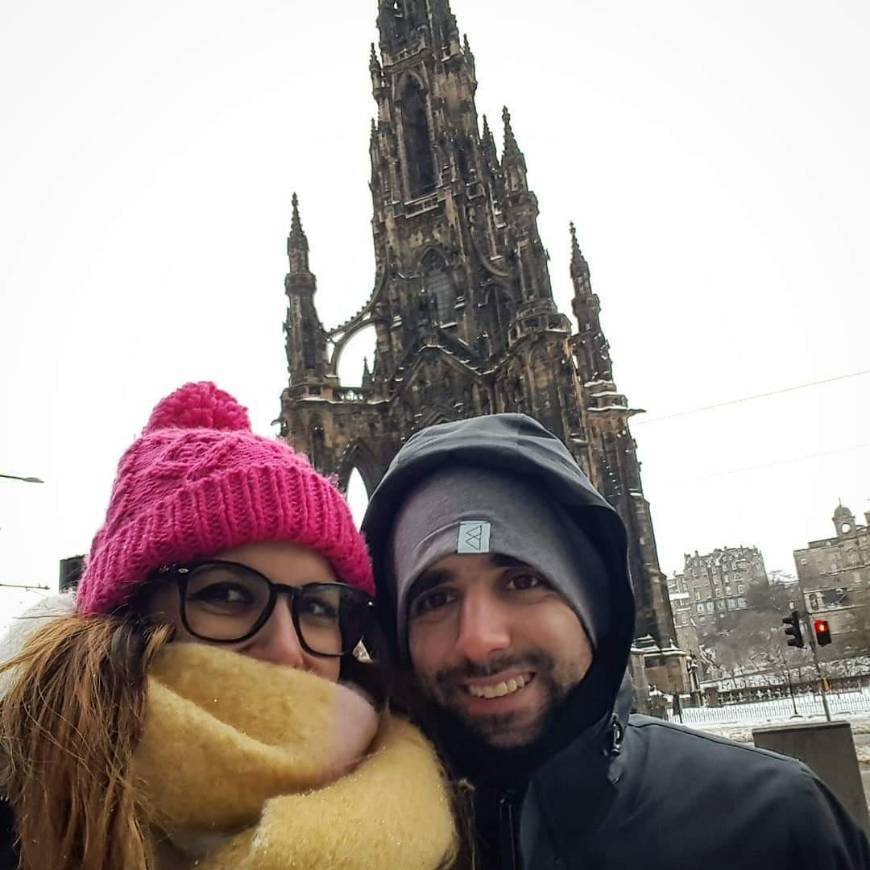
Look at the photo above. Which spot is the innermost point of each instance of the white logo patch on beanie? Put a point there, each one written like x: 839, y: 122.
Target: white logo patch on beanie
x: 474, y: 537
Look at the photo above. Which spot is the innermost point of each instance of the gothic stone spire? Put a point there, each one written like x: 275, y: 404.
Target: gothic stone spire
x: 513, y: 160
x: 579, y: 266
x: 510, y: 140
x: 305, y: 345
x: 594, y: 357
x: 297, y: 243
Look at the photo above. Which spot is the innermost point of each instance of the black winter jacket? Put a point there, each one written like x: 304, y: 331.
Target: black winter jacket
x: 603, y: 789
x: 676, y: 798
x: 8, y: 852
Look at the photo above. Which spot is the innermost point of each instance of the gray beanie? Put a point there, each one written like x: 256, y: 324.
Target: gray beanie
x: 475, y: 510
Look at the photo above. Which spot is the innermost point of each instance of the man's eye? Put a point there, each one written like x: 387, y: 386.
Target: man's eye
x: 523, y: 582
x: 430, y: 601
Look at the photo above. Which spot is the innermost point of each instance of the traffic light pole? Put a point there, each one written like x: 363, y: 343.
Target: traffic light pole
x: 811, y: 635
x: 791, y: 693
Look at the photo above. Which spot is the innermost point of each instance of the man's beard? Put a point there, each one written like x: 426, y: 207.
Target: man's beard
x: 505, y: 730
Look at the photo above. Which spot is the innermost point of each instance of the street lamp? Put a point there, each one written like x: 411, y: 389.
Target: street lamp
x: 23, y: 480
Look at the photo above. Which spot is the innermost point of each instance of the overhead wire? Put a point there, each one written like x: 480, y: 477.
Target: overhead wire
x: 765, y: 465
x: 646, y: 421
x: 752, y: 398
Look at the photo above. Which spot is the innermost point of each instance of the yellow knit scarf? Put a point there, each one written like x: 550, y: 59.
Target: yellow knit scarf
x: 231, y: 759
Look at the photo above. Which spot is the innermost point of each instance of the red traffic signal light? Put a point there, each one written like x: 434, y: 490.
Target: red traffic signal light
x: 793, y: 632
x: 823, y: 631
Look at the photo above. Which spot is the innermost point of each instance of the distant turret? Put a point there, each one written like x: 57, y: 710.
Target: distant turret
x: 844, y: 521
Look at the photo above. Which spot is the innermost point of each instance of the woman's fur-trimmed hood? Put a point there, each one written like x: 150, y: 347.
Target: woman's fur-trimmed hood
x: 25, y: 624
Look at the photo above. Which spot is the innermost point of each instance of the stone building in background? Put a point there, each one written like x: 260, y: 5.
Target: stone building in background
x: 461, y: 302
x: 834, y: 575
x: 710, y: 587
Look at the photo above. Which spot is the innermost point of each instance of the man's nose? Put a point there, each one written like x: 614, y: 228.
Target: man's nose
x: 483, y: 630
x: 277, y: 641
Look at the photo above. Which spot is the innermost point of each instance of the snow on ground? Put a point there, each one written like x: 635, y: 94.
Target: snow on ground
x: 742, y: 732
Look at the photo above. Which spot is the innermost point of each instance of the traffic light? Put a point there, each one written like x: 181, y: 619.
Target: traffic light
x: 793, y: 629
x: 822, y: 630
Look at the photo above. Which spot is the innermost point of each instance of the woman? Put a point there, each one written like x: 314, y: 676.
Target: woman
x: 248, y: 742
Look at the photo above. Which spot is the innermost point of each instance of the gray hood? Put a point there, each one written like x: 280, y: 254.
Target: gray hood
x: 517, y: 445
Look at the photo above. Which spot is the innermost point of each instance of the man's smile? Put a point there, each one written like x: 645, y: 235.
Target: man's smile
x: 498, y: 687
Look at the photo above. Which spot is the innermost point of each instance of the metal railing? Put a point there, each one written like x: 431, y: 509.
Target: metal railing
x: 777, y: 709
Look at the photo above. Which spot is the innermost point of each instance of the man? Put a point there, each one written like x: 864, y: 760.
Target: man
x: 503, y: 583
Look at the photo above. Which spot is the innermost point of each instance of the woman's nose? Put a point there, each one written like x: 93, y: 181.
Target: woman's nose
x: 277, y: 641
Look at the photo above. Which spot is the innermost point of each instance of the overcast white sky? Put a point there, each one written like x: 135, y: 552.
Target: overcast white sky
x: 714, y: 156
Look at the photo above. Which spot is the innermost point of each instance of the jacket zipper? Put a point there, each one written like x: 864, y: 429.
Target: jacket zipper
x: 507, y: 834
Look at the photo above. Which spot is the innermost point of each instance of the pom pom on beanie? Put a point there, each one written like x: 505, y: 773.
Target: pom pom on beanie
x: 198, y: 482
x: 196, y: 406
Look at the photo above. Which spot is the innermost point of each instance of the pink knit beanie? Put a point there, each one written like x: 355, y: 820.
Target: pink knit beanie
x: 198, y: 481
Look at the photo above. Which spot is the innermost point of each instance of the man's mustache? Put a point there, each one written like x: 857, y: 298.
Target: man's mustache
x: 537, y: 661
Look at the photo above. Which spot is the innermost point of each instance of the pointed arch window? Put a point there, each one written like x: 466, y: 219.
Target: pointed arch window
x: 418, y: 141
x: 462, y: 151
x: 317, y: 446
x: 389, y: 18
x: 500, y: 306
x: 309, y: 347
x: 437, y: 283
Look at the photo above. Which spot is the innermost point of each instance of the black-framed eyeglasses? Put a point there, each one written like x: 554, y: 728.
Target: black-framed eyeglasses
x: 225, y: 602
